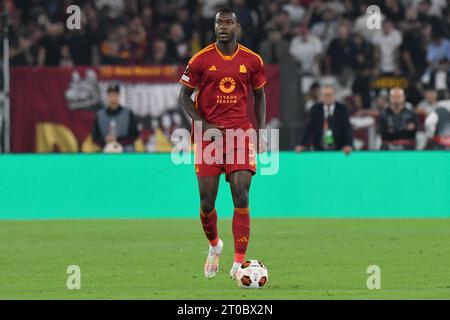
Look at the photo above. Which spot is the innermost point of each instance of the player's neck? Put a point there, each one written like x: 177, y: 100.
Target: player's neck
x: 227, y: 49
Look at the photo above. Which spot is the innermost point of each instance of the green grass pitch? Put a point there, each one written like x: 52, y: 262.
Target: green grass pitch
x: 163, y: 259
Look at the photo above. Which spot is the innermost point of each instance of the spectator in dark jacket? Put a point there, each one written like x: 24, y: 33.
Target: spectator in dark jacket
x: 398, y: 124
x: 328, y: 125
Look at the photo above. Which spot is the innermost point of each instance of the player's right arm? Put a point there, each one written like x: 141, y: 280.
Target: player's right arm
x: 190, y: 80
x: 188, y: 106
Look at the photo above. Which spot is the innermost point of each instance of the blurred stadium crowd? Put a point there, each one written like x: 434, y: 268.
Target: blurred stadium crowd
x: 326, y: 38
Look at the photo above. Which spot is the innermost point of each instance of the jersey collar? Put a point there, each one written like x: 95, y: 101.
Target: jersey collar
x: 227, y: 58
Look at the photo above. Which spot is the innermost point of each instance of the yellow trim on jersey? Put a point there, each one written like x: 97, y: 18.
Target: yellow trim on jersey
x: 228, y: 58
x: 207, y: 48
x: 187, y: 84
x: 196, y: 99
x: 261, y: 85
x: 252, y: 52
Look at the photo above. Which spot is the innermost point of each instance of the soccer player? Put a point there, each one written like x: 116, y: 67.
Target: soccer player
x: 223, y: 73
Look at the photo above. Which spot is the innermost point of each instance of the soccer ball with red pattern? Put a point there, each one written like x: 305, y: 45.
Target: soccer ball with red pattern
x: 252, y: 274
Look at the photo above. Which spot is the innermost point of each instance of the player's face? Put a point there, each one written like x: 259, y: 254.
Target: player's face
x: 226, y: 27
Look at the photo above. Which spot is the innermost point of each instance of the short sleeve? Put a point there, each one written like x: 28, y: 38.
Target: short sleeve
x: 258, y: 76
x: 191, y: 75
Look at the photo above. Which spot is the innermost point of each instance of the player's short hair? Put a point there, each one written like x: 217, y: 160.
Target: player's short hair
x: 227, y: 10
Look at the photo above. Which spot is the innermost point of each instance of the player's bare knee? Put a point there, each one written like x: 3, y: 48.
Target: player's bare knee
x: 207, y: 205
x: 207, y: 201
x: 240, y: 198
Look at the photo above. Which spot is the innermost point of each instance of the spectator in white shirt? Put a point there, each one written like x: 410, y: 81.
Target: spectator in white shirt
x: 325, y: 30
x: 429, y: 102
x: 438, y: 78
x: 295, y: 11
x: 387, y: 44
x: 437, y: 126
x: 306, y: 49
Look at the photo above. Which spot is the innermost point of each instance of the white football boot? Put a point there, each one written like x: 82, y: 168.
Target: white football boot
x: 234, y: 269
x: 212, y: 260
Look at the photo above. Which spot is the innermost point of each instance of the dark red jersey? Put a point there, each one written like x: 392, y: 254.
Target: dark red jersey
x: 223, y: 83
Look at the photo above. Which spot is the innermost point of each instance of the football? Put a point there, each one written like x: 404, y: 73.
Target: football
x: 252, y: 274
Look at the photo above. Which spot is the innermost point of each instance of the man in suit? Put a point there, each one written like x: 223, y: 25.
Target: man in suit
x: 328, y: 125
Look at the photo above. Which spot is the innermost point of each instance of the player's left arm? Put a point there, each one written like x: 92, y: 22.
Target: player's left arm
x: 260, y: 112
x: 258, y: 80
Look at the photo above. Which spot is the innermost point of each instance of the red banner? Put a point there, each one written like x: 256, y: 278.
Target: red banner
x: 53, y: 109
